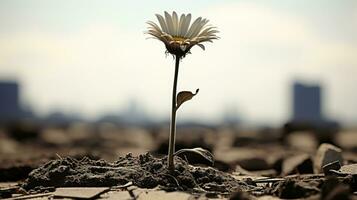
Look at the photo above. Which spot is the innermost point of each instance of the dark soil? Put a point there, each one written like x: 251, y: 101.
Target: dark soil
x: 18, y: 169
x: 144, y: 171
x: 14, y: 173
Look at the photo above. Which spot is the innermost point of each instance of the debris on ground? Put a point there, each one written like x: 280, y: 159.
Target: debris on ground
x: 144, y: 171
x: 326, y: 153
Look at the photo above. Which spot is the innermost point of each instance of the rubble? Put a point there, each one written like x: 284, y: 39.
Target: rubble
x: 326, y: 153
x: 300, y: 164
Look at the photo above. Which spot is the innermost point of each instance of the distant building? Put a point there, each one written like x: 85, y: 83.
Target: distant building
x: 9, y: 101
x: 307, y: 114
x: 307, y: 103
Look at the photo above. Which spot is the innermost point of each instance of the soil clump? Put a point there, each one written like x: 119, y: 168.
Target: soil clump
x: 144, y: 171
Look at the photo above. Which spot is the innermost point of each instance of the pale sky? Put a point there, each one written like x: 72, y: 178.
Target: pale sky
x: 91, y: 57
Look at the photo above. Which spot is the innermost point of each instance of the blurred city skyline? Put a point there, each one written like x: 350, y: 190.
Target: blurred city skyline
x: 305, y: 108
x: 91, y: 57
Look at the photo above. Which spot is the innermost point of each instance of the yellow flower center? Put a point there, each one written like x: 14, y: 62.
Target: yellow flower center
x: 179, y: 39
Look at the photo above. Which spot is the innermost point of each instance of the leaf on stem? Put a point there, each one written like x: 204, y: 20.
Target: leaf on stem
x: 207, y: 155
x: 184, y: 96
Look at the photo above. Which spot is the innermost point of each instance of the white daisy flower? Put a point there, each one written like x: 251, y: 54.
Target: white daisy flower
x: 178, y: 35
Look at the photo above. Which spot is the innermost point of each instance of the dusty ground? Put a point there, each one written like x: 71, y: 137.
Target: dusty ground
x: 249, y: 164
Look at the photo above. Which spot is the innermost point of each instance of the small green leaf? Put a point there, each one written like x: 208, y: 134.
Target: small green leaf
x: 184, y: 96
x: 202, y: 152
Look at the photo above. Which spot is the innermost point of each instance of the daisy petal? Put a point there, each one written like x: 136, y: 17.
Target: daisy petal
x: 206, y: 31
x: 198, y: 28
x: 179, y: 35
x: 162, y: 23
x: 181, y: 21
x: 175, y: 23
x: 193, y: 26
x: 155, y: 26
x: 185, y: 25
x: 169, y: 23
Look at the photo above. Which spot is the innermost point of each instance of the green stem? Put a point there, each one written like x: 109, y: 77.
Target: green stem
x: 172, y: 138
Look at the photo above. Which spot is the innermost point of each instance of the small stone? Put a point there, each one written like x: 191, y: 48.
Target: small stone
x: 331, y: 166
x: 326, y: 153
x: 301, y: 164
x: 349, y: 169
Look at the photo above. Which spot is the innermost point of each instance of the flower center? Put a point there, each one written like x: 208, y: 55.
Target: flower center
x: 179, y: 39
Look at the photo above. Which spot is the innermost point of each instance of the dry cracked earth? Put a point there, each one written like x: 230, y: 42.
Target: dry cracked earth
x: 85, y: 161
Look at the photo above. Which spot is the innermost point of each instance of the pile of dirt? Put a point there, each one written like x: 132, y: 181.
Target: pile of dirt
x: 144, y: 171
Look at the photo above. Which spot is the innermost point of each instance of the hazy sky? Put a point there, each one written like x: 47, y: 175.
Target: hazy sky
x: 92, y: 57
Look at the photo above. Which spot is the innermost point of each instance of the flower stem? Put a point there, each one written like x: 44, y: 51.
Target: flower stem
x: 172, y: 138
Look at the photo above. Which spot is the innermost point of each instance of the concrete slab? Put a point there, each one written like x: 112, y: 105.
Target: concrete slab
x: 162, y: 195
x: 80, y: 192
x: 115, y: 195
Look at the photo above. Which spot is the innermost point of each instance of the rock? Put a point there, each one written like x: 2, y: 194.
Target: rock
x: 331, y: 166
x: 301, y: 164
x: 326, y: 153
x: 349, y: 169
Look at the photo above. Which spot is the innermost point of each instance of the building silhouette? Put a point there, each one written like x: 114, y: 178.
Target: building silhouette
x: 10, y: 108
x: 307, y: 103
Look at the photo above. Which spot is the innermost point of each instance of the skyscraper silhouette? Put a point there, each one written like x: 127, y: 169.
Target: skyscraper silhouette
x: 9, y: 101
x: 307, y: 103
